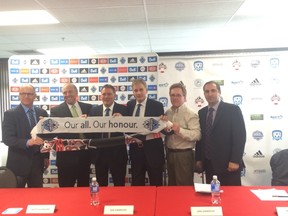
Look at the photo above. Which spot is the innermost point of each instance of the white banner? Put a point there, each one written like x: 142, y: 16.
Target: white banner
x: 140, y: 125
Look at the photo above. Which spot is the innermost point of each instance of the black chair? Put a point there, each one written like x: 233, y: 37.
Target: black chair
x: 279, y: 167
x: 7, y: 178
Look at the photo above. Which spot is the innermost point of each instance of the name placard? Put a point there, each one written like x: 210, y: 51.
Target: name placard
x: 206, y: 211
x: 118, y: 210
x: 282, y: 211
x: 40, y: 209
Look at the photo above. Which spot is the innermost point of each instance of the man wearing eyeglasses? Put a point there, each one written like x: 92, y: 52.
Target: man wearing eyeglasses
x: 180, y: 142
x: 24, y: 157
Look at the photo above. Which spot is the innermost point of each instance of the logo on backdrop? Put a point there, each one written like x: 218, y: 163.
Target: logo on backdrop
x: 162, y: 67
x: 198, y: 66
x: 199, y: 101
x: 274, y: 62
x: 198, y: 83
x: 164, y: 101
x: 237, y: 99
x: 236, y: 65
x: 180, y: 66
x: 277, y: 135
x: 255, y: 63
x: 257, y: 135
x: 258, y: 154
x: 275, y: 99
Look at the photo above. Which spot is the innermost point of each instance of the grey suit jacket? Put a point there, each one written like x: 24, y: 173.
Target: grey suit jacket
x: 16, y: 131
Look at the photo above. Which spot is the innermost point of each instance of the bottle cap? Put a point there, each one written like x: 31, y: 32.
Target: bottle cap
x: 93, y: 178
x: 214, y: 176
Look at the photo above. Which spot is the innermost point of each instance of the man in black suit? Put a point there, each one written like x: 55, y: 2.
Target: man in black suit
x: 72, y: 165
x: 24, y: 157
x: 220, y: 150
x: 113, y: 159
x: 149, y: 156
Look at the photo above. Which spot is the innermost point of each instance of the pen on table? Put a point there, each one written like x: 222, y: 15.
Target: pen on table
x: 279, y: 195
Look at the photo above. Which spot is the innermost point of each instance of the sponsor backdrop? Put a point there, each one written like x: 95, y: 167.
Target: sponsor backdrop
x: 253, y: 81
x: 48, y: 74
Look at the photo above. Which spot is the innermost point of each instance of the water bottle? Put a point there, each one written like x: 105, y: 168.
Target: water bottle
x: 215, y: 191
x: 94, y: 192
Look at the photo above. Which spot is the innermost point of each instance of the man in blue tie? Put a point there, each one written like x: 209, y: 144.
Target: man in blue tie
x: 148, y: 157
x: 113, y: 159
x: 24, y: 157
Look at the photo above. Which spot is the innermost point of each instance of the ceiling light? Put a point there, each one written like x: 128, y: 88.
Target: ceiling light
x: 28, y: 17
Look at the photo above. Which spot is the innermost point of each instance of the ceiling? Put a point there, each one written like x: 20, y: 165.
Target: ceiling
x: 133, y: 26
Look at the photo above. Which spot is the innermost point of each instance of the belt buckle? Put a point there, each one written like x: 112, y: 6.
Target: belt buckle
x: 140, y: 144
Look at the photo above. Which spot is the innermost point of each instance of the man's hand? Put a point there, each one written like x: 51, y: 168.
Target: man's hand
x: 199, y: 167
x: 46, y: 163
x: 36, y: 141
x: 232, y: 167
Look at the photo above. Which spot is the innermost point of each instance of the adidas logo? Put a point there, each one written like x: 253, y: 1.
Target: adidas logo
x: 255, y: 82
x: 258, y: 154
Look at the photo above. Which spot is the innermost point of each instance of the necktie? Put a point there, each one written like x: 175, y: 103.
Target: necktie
x: 107, y: 112
x: 31, y: 118
x: 137, y: 113
x: 209, y: 122
x: 74, y: 111
x: 75, y: 115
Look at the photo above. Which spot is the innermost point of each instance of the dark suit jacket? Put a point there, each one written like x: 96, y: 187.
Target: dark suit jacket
x: 228, y: 136
x: 98, y: 111
x: 153, y: 152
x: 68, y: 158
x: 16, y: 131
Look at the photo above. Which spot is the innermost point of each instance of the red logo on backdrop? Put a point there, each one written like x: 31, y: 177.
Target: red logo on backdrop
x: 93, y: 79
x: 64, y: 80
x: 74, y: 61
x: 14, y: 89
x: 54, y: 70
x: 122, y: 69
x: 152, y: 68
x: 44, y: 89
x: 103, y: 61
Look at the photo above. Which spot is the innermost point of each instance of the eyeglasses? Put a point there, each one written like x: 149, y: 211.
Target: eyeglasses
x: 29, y: 94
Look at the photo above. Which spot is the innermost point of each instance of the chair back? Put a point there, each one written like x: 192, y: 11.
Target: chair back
x: 7, y: 178
x: 279, y: 167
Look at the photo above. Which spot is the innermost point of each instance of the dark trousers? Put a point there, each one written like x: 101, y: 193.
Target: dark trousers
x: 70, y: 173
x: 150, y: 159
x: 112, y: 159
x: 226, y: 178
x: 34, y: 179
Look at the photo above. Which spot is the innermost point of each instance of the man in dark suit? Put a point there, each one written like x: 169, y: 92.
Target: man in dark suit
x: 149, y: 156
x: 24, y: 157
x: 72, y: 165
x: 221, y: 148
x: 113, y: 159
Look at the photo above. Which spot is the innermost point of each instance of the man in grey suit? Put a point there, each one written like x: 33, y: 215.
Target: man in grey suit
x: 114, y: 158
x: 24, y: 157
x: 220, y: 150
x: 72, y: 165
x: 148, y: 157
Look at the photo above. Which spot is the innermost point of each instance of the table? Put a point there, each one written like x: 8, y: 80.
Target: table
x: 236, y: 201
x: 76, y: 201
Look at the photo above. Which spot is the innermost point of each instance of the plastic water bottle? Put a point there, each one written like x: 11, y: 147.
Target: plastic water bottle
x: 94, y: 192
x: 215, y: 191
